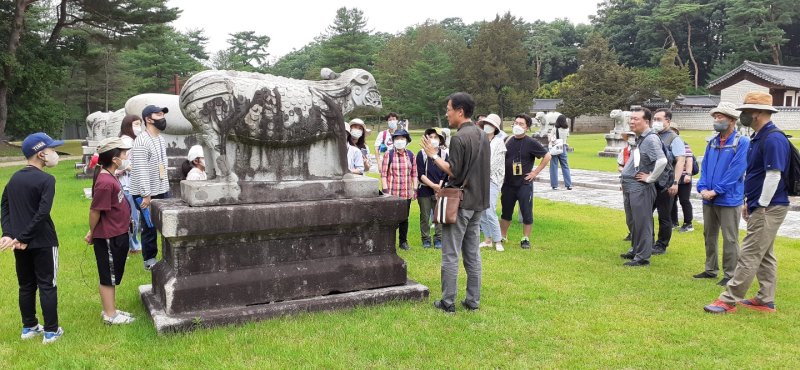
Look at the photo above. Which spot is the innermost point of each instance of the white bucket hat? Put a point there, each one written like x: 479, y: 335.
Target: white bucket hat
x: 493, y: 120
x: 728, y: 109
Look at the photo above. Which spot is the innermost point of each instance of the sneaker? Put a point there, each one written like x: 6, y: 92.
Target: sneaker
x: 120, y: 312
x: 720, y: 307
x: 555, y: 188
x: 148, y: 265
x: 499, y: 247
x: 118, y: 319
x: 52, y: 336
x: 504, y: 239
x: 469, y: 306
x: 756, y: 304
x: 28, y: 333
x: 724, y: 281
x: 485, y: 245
x: 437, y: 244
x: 639, y: 263
x: 569, y: 187
x: 705, y: 275
x: 627, y: 255
x: 659, y: 249
x: 426, y: 245
x: 676, y: 226
x: 404, y: 246
x: 440, y: 305
x: 686, y: 228
x: 525, y: 244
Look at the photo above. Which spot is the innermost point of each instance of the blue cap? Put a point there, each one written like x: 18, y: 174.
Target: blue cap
x: 402, y: 132
x: 150, y: 109
x: 37, y: 142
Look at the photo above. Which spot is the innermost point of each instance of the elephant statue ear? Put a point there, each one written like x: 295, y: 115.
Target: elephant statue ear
x: 328, y: 74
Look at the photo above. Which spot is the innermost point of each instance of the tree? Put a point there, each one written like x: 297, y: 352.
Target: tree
x: 247, y: 52
x: 347, y: 44
x: 755, y: 28
x: 600, y: 85
x: 299, y: 63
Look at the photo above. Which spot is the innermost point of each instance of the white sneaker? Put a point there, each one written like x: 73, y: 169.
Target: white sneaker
x: 118, y: 319
x: 52, y: 336
x: 28, y: 333
x: 499, y: 247
x: 485, y: 245
x: 120, y: 312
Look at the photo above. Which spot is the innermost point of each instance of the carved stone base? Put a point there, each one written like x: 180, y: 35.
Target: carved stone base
x: 614, y: 145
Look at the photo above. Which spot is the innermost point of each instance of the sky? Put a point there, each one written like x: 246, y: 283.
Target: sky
x: 291, y: 24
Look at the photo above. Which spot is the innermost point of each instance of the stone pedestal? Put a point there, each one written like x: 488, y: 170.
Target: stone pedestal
x: 614, y: 145
x: 234, y: 263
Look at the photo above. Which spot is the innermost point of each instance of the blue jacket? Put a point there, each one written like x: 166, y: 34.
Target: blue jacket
x: 723, y: 171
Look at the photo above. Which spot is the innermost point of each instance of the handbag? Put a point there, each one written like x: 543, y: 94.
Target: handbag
x: 448, y: 199
x: 557, y: 148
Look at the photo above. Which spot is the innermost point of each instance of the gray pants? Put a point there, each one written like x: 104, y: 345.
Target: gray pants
x: 463, y: 237
x: 726, y: 219
x: 639, y: 216
x: 426, y: 205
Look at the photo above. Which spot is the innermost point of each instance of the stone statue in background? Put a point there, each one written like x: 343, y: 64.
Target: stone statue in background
x: 100, y: 125
x: 621, y: 120
x: 547, y: 125
x: 269, y: 128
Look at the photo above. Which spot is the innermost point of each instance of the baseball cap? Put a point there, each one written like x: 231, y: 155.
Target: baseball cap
x: 110, y: 143
x: 37, y: 142
x: 150, y: 109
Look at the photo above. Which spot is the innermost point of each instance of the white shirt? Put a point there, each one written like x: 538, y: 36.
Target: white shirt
x: 196, y: 174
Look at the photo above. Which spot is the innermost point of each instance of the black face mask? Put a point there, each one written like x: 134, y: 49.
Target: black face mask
x: 160, y: 124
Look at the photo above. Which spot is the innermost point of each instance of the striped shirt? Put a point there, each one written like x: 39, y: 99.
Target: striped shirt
x: 149, y: 155
x: 400, y: 178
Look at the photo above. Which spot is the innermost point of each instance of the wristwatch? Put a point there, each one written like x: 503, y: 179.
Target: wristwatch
x: 435, y: 157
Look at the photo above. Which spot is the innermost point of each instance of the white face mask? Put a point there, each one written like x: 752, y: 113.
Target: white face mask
x: 137, y: 130
x: 356, y: 133
x: 203, y: 162
x: 489, y: 129
x: 435, y: 143
x: 392, y: 125
x: 125, y: 164
x: 51, y: 159
x: 518, y: 130
x: 658, y: 126
x: 400, y: 144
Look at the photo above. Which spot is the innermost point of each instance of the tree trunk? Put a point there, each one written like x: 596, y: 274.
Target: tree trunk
x: 691, y: 54
x: 672, y: 38
x: 60, y: 23
x: 536, y: 83
x: 108, y: 55
x: 776, y: 54
x: 8, y: 67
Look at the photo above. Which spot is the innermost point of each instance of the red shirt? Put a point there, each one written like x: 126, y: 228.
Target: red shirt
x: 115, y: 212
x: 400, y: 177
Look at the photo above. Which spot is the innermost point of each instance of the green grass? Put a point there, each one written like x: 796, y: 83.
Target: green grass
x: 567, y: 303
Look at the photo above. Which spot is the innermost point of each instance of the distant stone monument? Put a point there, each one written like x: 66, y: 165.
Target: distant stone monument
x: 614, y: 142
x: 547, y: 126
x: 281, y: 227
x: 99, y: 125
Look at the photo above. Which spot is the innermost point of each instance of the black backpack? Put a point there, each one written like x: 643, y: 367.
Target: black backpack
x: 792, y: 173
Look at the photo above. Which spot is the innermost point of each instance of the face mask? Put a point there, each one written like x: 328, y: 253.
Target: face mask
x: 203, y: 162
x: 435, y: 143
x: 400, y: 144
x: 393, y: 125
x: 137, y: 130
x: 746, y: 119
x: 160, y: 124
x: 489, y: 129
x: 51, y: 159
x: 658, y: 126
x: 125, y: 164
x: 356, y: 133
x: 720, y: 126
x: 518, y: 130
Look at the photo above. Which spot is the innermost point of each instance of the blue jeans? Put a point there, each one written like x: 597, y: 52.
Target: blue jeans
x: 490, y: 226
x: 554, y: 161
x: 135, y: 245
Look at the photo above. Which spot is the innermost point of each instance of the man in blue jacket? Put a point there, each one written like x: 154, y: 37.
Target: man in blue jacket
x: 722, y: 187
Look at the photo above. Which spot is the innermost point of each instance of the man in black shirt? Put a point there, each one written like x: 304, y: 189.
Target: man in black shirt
x: 522, y: 151
x: 467, y: 167
x: 29, y: 231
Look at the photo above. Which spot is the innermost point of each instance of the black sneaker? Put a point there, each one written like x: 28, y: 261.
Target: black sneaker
x: 440, y: 305
x: 569, y: 187
x: 676, y: 226
x: 659, y: 249
x: 686, y: 228
x: 627, y: 238
x: 525, y: 244
x: 705, y: 275
x: 638, y: 263
x: 469, y: 306
x: 627, y: 255
x: 723, y: 282
x: 404, y: 246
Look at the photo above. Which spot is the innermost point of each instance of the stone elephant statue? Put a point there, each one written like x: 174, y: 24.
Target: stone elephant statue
x: 621, y: 120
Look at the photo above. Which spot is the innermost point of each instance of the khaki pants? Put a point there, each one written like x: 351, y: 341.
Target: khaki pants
x: 757, y: 257
x: 718, y: 218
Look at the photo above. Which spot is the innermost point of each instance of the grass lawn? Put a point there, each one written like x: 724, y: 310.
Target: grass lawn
x: 567, y: 303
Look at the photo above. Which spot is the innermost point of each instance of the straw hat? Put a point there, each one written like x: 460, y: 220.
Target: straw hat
x: 758, y: 100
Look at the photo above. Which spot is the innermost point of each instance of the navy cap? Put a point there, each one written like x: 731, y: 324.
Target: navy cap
x: 37, y: 142
x: 150, y: 109
x: 402, y: 132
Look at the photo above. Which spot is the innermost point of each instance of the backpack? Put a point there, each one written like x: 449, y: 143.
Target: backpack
x: 391, y: 157
x: 734, y: 145
x: 668, y: 176
x: 792, y: 173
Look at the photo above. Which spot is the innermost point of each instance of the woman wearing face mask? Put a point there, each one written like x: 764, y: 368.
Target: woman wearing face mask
x: 383, y: 143
x: 431, y: 178
x: 399, y: 177
x: 357, y: 152
x: 130, y: 128
x: 490, y: 225
x: 194, y: 167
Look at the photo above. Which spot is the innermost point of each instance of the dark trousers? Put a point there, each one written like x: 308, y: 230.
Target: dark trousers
x: 149, y: 234
x: 402, y: 229
x: 37, y: 268
x: 684, y: 196
x: 663, y: 204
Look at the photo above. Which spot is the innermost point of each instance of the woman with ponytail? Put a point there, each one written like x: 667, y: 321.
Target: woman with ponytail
x: 130, y: 128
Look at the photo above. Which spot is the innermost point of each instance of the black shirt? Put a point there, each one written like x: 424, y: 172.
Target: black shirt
x: 524, y: 150
x: 26, y: 204
x: 468, y: 165
x: 426, y: 167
